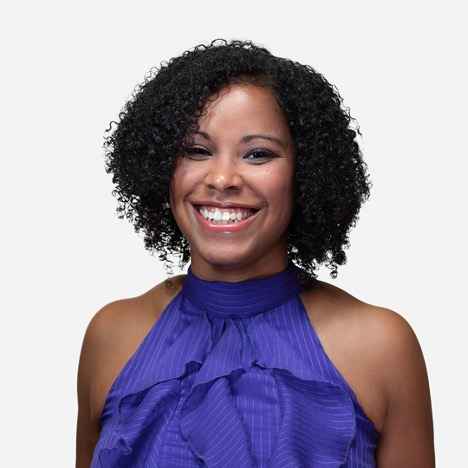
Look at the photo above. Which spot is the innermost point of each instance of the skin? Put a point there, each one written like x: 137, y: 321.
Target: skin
x: 374, y: 348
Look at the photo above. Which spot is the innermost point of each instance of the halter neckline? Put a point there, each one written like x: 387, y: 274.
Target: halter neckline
x: 245, y: 298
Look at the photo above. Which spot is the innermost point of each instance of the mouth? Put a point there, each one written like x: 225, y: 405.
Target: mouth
x: 218, y: 226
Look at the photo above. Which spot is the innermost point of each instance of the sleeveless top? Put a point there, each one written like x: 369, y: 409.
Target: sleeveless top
x: 234, y: 375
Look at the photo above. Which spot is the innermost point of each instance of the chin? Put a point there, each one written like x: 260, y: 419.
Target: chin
x: 223, y: 259
x: 226, y: 261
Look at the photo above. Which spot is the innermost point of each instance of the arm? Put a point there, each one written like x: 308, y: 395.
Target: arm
x: 407, y: 438
x: 92, y: 352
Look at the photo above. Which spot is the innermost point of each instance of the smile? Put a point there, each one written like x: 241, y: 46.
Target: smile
x: 224, y: 220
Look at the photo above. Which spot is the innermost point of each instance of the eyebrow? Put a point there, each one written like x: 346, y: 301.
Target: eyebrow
x: 247, y: 138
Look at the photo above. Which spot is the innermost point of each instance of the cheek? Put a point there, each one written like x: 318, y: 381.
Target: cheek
x: 181, y: 182
x: 277, y: 190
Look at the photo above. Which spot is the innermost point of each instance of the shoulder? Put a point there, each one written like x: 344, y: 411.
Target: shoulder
x: 123, y: 317
x: 113, y: 334
x: 374, y: 348
x: 378, y: 328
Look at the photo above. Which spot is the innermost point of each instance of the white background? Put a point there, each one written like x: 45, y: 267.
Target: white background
x: 68, y: 68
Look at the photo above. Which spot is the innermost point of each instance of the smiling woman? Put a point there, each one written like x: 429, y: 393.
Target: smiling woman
x: 246, y: 164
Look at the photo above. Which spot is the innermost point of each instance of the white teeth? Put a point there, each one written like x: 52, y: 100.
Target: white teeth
x: 225, y: 215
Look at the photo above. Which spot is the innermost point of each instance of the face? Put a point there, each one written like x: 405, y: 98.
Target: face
x: 224, y: 165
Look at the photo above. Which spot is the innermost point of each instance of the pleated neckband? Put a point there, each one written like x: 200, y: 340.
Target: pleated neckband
x: 241, y: 299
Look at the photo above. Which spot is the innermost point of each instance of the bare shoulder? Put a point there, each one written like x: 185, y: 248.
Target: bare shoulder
x: 112, y: 336
x: 376, y: 327
x: 373, y: 347
x: 116, y: 331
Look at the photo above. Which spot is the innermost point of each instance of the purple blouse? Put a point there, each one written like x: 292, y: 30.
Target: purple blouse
x: 234, y: 375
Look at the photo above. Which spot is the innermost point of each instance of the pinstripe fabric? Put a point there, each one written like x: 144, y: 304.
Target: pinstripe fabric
x: 234, y: 375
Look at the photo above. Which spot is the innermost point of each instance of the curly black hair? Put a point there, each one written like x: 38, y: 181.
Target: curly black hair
x: 331, y: 180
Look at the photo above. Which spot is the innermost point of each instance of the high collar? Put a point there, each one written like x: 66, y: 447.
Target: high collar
x: 242, y: 299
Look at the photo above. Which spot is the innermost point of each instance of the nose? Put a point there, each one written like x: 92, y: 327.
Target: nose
x: 223, y: 174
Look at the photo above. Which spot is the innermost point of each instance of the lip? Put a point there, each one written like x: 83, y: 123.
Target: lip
x: 216, y: 228
x: 223, y: 204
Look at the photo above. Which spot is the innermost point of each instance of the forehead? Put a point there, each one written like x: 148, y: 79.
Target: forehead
x: 241, y: 108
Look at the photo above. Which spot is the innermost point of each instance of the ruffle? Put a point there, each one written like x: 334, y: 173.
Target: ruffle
x: 318, y: 420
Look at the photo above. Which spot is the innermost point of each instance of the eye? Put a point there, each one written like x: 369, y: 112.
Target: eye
x: 194, y: 151
x: 262, y: 153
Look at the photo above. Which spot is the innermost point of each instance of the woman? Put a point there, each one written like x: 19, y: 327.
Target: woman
x: 245, y: 164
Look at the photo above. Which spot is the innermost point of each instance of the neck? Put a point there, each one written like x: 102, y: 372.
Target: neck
x: 244, y: 298
x: 234, y: 272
